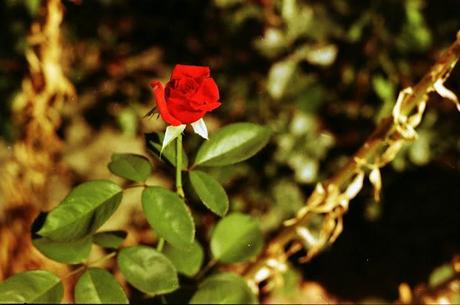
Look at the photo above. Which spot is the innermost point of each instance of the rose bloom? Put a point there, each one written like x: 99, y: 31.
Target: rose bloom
x: 188, y: 96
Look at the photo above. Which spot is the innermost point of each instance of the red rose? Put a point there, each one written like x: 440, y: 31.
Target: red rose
x: 189, y: 95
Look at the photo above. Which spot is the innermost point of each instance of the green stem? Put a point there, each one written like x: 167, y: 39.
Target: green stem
x: 160, y: 245
x: 135, y: 186
x: 99, y: 260
x: 179, y: 189
x: 208, y: 267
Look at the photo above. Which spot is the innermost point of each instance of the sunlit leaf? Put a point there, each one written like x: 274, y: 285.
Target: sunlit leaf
x: 210, y: 192
x: 168, y: 216
x: 236, y: 238
x: 148, y: 270
x: 224, y: 288
x: 109, y: 239
x: 233, y: 143
x: 68, y: 252
x: 128, y: 120
x: 32, y: 287
x: 130, y: 166
x: 386, y: 91
x: 279, y: 76
x: 440, y: 275
x: 187, y: 261
x: 272, y: 43
x: 298, y: 18
x: 322, y: 55
x: 98, y: 286
x: 384, y: 88
x: 83, y: 211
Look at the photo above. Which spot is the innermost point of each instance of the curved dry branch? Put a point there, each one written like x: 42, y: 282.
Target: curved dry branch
x: 330, y: 199
x: 33, y: 159
x: 45, y: 89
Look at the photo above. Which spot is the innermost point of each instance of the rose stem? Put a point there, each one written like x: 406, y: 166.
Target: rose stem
x: 160, y: 245
x: 179, y: 189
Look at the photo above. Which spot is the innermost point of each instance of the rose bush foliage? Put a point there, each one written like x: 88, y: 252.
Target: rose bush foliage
x: 65, y: 234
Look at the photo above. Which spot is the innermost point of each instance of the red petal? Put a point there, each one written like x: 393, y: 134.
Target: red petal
x: 181, y: 71
x: 206, y: 107
x: 159, y: 93
x: 207, y: 96
x: 181, y: 109
x: 208, y: 91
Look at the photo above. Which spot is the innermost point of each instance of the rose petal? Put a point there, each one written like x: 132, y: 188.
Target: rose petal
x: 159, y: 93
x: 207, y: 96
x: 181, y: 71
x: 188, y: 103
x: 181, y: 110
x: 205, y: 107
x: 177, y: 88
x: 208, y: 90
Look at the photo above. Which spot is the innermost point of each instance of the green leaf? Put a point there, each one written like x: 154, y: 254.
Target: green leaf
x: 130, y: 166
x: 224, y: 288
x: 67, y: 252
x: 154, y: 142
x: 280, y: 77
x: 109, y: 239
x: 148, y: 270
x: 37, y: 286
x: 186, y: 261
x: 168, y: 215
x: 83, y: 211
x: 98, y: 286
x: 236, y: 238
x: 384, y: 88
x: 211, y: 193
x: 233, y: 143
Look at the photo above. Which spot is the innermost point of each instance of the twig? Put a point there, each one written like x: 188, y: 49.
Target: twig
x: 85, y: 266
x: 208, y: 267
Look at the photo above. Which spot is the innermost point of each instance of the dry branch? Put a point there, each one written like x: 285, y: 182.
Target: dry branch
x: 33, y: 159
x: 330, y: 199
x: 45, y: 88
